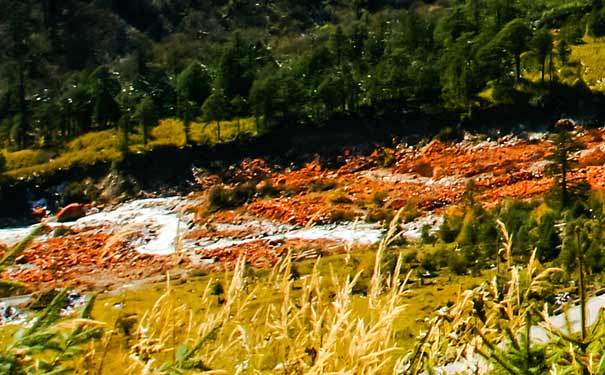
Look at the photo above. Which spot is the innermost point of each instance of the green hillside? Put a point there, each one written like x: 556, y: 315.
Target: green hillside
x: 73, y: 67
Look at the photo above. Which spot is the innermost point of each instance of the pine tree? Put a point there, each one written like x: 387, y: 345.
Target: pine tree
x: 562, y: 161
x: 515, y: 38
x: 124, y: 128
x: 193, y: 83
x: 146, y: 116
x: 215, y: 109
x: 542, y: 45
x: 18, y: 23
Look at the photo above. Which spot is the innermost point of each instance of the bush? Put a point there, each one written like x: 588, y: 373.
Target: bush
x: 2, y: 162
x: 267, y: 189
x: 79, y: 192
x: 429, y: 263
x: 224, y: 198
x: 25, y: 158
x: 340, y: 197
x: 379, y: 198
x: 410, y: 212
x: 379, y: 214
x: 425, y: 235
x: 449, y: 134
x: 340, y: 215
x: 596, y: 23
x: 322, y: 185
x: 442, y: 256
x: 411, y: 257
x: 457, y: 263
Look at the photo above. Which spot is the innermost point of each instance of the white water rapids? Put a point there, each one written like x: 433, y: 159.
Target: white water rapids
x: 163, y: 224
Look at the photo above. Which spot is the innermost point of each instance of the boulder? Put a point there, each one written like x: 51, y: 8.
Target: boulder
x: 72, y: 212
x: 39, y: 213
x: 3, y: 250
x: 565, y: 124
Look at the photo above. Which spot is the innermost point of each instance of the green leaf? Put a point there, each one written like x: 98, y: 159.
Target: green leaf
x: 181, y: 352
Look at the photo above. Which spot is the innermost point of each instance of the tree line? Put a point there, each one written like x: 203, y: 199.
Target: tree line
x: 76, y: 66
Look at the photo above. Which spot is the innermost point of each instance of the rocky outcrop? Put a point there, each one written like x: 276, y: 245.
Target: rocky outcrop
x: 72, y: 212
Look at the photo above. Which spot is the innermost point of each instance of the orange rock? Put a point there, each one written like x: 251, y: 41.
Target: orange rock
x: 72, y: 212
x: 422, y: 167
x: 595, y: 157
x: 39, y: 213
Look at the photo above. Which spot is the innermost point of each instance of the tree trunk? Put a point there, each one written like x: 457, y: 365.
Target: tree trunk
x: 145, y: 134
x: 582, y: 291
x: 564, y: 197
x: 22, y: 136
x: 518, y: 66
x: 218, y: 131
x: 551, y: 66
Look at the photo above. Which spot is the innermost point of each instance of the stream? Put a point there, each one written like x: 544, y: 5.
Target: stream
x: 164, y: 223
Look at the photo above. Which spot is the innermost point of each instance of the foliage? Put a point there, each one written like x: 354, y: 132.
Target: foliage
x: 50, y: 346
x: 147, y: 117
x: 562, y: 161
x: 14, y: 252
x: 313, y: 323
x: 73, y: 67
x: 2, y: 162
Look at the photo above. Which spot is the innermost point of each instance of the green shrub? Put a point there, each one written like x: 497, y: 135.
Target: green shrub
x: 425, y: 235
x: 340, y: 197
x: 448, y: 134
x: 410, y: 212
x: 2, y: 162
x: 379, y: 214
x: 411, y: 257
x: 9, y: 288
x: 596, y: 23
x: 379, y: 198
x: 341, y: 215
x: 449, y: 230
x: 217, y: 289
x: 429, y: 263
x: 267, y: 189
x: 79, y: 192
x: 26, y: 158
x: 442, y: 256
x: 225, y: 198
x: 322, y: 185
x: 457, y: 263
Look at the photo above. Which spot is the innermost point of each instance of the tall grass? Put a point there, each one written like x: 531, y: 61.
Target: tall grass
x: 281, y: 322
x: 276, y: 324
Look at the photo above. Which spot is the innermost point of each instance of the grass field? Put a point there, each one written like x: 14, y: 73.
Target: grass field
x: 104, y: 146
x: 360, y: 317
x: 591, y: 58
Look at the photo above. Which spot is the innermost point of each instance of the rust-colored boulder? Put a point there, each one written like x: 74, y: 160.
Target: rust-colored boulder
x: 39, y: 213
x: 422, y: 167
x: 594, y: 157
x: 72, y: 212
x: 434, y: 147
x: 3, y: 250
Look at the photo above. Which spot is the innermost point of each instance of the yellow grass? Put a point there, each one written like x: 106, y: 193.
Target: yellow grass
x: 591, y: 58
x: 104, y: 146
